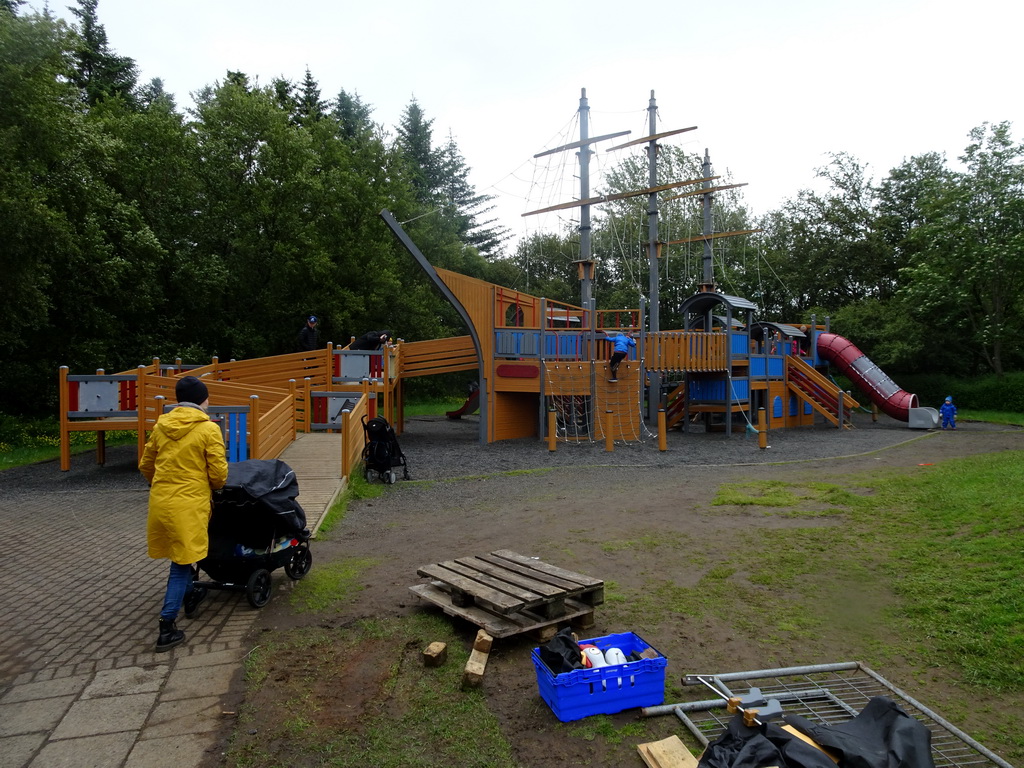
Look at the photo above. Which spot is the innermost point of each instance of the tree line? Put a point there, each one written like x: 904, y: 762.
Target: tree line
x: 132, y: 228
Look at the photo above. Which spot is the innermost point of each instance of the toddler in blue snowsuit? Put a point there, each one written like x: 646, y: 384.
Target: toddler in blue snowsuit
x: 948, y: 411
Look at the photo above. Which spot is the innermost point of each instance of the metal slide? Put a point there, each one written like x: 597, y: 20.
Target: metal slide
x: 882, y: 390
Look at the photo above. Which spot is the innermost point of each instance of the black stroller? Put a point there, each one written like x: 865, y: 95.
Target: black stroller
x: 256, y: 527
x: 381, y: 454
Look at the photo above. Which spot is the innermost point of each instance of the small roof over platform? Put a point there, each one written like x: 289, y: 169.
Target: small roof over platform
x: 790, y: 331
x: 700, y: 303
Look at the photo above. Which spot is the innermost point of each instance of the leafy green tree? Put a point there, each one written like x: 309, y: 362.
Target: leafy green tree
x: 541, y: 265
x: 253, y: 233
x: 40, y: 122
x: 968, y: 272
x: 621, y: 240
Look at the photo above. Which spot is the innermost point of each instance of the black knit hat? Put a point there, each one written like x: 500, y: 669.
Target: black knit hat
x: 191, y: 390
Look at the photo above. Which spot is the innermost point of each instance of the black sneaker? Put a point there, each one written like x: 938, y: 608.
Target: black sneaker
x: 612, y: 380
x: 193, y: 600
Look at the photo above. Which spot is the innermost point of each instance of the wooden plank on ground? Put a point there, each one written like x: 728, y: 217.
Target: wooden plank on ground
x: 527, y: 569
x: 511, y: 577
x: 527, y: 595
x: 552, y: 570
x: 473, y: 674
x: 591, y: 588
x: 505, y: 625
x: 499, y: 601
x: 667, y: 753
x: 804, y: 737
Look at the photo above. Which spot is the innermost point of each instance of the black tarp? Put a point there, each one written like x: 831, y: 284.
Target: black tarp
x: 258, y: 504
x: 882, y: 735
x: 766, y: 744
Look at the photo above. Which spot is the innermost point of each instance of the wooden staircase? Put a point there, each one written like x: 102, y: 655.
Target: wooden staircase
x: 810, y: 386
x: 675, y: 407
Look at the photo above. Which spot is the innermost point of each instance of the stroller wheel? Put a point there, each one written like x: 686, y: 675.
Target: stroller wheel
x: 257, y: 590
x: 369, y: 476
x: 391, y: 478
x: 299, y: 565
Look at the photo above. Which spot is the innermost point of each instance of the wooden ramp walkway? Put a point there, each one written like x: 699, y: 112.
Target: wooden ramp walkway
x: 315, y: 457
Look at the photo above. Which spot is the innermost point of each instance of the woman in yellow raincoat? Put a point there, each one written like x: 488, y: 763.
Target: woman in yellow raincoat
x: 184, y: 462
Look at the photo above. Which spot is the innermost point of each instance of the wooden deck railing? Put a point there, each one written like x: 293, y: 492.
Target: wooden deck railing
x: 694, y: 351
x: 425, y: 358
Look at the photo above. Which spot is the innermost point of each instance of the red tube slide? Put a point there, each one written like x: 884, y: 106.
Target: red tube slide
x: 866, y: 375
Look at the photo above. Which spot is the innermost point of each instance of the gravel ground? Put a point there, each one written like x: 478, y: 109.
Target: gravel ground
x: 438, y: 448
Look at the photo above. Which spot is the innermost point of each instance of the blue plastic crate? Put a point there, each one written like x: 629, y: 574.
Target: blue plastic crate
x: 604, y: 690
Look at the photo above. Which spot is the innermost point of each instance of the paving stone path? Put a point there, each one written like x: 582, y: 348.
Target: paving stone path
x: 80, y: 684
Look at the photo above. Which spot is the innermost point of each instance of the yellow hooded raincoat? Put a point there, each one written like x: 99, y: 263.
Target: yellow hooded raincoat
x: 184, y: 462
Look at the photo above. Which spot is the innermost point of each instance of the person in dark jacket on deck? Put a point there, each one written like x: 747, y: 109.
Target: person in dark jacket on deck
x: 308, y: 335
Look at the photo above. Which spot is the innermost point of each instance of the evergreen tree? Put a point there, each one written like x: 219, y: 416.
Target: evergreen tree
x: 464, y: 206
x: 310, y: 107
x: 353, y: 117
x: 99, y: 72
x: 153, y: 93
x: 415, y: 140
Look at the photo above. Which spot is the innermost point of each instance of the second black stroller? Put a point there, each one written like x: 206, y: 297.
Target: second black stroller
x: 382, y: 454
x: 256, y: 527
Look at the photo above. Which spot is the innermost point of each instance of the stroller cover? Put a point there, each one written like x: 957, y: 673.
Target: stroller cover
x: 258, y: 503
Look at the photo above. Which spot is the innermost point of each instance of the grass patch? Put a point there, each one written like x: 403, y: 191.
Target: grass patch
x: 647, y: 542
x: 601, y: 727
x: 939, y: 553
x: 773, y: 493
x: 330, y: 585
x: 357, y: 488
x: 29, y: 441
x: 401, y: 714
x: 959, y: 553
x: 993, y: 417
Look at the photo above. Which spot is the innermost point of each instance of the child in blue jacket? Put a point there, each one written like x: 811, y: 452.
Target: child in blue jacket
x: 621, y: 344
x: 948, y: 411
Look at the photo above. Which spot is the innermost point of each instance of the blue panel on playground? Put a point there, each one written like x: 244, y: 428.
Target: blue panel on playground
x: 718, y: 390
x: 564, y: 345
x: 757, y: 366
x: 516, y: 343
x: 739, y: 342
x: 776, y: 367
x: 807, y: 408
x: 708, y: 390
x: 777, y: 407
x: 741, y: 389
x: 793, y: 407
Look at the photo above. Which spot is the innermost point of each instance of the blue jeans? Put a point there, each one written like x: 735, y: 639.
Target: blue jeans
x: 179, y: 584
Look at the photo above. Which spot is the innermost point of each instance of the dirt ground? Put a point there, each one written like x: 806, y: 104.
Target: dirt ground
x: 568, y: 514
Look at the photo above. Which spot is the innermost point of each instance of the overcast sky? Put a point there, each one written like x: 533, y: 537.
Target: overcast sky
x: 772, y: 87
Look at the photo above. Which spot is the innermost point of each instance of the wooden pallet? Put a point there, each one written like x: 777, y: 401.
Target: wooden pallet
x: 506, y: 593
